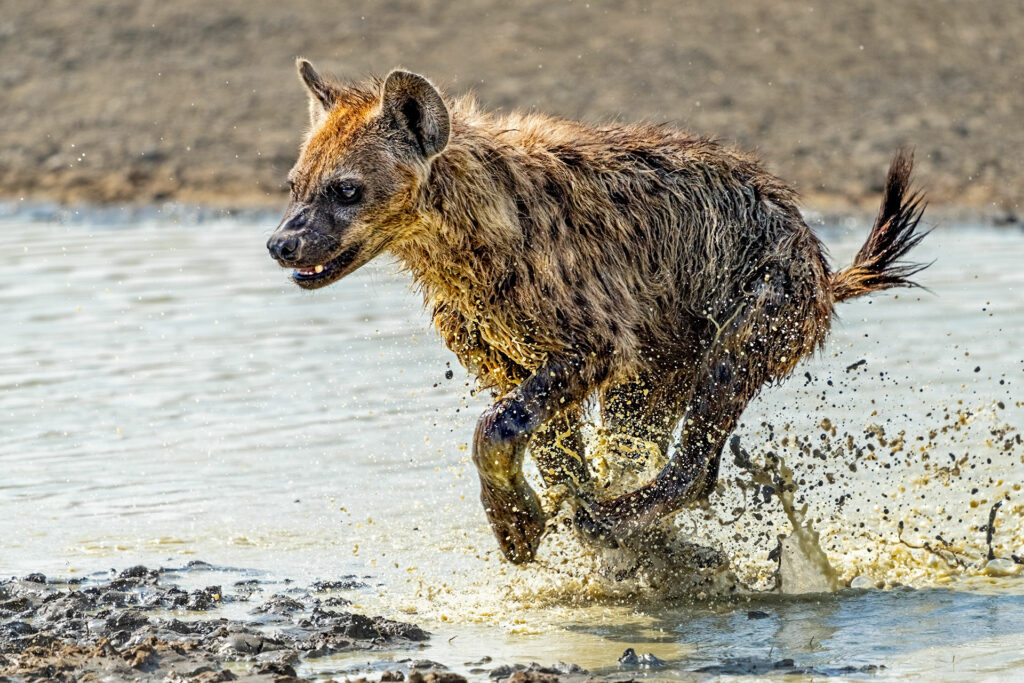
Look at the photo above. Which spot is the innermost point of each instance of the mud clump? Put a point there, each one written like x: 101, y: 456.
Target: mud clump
x: 138, y: 625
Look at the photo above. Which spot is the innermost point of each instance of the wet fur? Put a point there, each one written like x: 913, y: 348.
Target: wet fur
x: 668, y: 274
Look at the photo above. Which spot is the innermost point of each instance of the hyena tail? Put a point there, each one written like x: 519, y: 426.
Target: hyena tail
x: 878, y: 264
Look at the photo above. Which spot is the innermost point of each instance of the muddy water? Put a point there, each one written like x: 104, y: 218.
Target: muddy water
x: 167, y: 395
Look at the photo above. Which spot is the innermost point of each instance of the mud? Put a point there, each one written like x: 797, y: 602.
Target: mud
x: 140, y: 625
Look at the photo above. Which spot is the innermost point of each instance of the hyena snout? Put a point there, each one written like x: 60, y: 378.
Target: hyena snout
x: 287, y: 242
x: 284, y: 248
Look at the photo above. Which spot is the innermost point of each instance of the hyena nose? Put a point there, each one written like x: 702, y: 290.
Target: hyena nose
x: 284, y: 248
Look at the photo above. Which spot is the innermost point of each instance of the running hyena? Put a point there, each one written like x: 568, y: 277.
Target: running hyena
x: 668, y: 275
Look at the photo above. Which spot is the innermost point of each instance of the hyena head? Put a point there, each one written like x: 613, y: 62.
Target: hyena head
x: 357, y: 184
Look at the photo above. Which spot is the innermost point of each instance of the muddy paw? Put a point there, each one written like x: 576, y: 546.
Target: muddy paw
x: 517, y: 521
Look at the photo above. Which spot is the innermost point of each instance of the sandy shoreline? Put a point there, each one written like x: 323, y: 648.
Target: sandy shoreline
x: 192, y: 102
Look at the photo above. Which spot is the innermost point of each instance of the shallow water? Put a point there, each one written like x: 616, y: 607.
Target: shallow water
x: 166, y: 395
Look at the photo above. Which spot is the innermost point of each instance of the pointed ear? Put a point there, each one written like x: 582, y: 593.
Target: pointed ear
x: 416, y: 108
x: 322, y: 94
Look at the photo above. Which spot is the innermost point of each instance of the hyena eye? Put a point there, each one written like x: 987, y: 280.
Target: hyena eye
x: 344, y: 193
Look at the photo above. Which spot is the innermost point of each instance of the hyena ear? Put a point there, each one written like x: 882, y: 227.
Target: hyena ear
x: 415, y: 107
x: 322, y: 94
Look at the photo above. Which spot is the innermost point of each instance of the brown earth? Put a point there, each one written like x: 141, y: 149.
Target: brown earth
x: 197, y: 101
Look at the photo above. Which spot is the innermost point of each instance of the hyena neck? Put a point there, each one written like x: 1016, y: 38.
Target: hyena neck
x: 468, y: 233
x: 468, y: 252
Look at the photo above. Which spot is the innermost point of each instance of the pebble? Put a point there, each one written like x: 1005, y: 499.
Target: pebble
x: 1002, y: 566
x: 863, y: 582
x: 645, y: 661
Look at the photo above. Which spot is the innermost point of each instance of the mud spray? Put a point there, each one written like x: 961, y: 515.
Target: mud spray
x: 808, y: 505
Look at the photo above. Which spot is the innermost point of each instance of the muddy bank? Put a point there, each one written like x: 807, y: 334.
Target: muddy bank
x: 142, y: 624
x: 122, y: 101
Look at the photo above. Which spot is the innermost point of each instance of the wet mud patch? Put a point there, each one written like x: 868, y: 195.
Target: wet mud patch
x: 141, y: 625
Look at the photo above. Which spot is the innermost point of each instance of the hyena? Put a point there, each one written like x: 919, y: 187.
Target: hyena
x: 664, y: 275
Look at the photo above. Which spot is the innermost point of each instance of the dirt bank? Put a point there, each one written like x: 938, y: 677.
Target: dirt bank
x: 129, y: 101
x: 138, y: 101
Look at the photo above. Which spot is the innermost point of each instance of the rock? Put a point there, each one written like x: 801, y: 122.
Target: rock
x: 630, y: 658
x: 243, y: 643
x: 863, y: 582
x: 1002, y: 566
x: 35, y: 577
x: 757, y: 614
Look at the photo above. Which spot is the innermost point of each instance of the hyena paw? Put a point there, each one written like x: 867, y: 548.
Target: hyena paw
x: 601, y: 525
x: 517, y: 520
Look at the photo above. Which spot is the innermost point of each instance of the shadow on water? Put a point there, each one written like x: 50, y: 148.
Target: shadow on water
x: 824, y: 634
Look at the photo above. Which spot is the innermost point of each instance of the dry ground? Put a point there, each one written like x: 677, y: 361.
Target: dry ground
x: 197, y: 101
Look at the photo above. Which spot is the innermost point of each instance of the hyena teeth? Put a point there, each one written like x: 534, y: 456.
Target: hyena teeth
x: 319, y: 269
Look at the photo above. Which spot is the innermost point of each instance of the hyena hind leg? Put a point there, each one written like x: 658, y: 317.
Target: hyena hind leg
x: 646, y: 407
x: 559, y: 450
x: 760, y: 340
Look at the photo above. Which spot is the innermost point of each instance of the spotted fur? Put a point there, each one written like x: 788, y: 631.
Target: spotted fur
x: 661, y: 268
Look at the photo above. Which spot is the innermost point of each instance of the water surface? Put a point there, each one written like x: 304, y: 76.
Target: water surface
x: 166, y: 394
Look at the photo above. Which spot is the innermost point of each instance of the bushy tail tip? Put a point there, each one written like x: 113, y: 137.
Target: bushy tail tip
x: 878, y: 264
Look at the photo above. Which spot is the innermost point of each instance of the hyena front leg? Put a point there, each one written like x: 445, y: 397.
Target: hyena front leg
x: 557, y: 447
x: 502, y: 434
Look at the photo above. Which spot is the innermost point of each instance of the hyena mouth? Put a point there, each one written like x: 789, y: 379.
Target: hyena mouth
x: 327, y: 270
